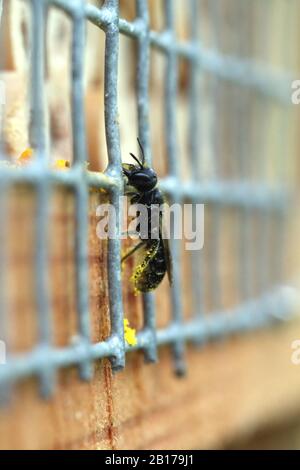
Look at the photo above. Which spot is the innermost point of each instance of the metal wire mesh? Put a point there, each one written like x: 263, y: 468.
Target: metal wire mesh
x: 46, y: 359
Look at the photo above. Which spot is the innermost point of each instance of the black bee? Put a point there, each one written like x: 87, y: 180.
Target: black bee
x: 141, y: 187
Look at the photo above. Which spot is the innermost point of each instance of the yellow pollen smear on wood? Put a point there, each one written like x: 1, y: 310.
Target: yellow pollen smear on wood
x: 129, y: 334
x: 25, y: 156
x: 61, y: 164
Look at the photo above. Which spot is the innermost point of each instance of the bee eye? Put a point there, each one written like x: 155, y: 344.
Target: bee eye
x: 142, y: 177
x: 144, y: 180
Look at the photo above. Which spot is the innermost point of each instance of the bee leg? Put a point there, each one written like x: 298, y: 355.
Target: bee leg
x: 133, y: 250
x: 132, y: 194
x: 135, y: 197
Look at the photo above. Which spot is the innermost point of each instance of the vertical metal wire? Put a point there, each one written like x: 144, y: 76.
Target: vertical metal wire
x: 216, y: 209
x: 143, y: 72
x: 37, y: 127
x: 194, y: 94
x: 281, y: 217
x: 265, y: 236
x: 174, y: 171
x: 245, y: 225
x: 38, y: 140
x: 81, y: 189
x: 194, y: 136
x: 114, y: 170
x: 171, y: 79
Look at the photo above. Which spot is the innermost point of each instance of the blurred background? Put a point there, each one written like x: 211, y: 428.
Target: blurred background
x: 235, y: 133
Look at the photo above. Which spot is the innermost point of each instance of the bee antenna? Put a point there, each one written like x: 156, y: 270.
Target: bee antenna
x: 137, y: 160
x: 142, y: 150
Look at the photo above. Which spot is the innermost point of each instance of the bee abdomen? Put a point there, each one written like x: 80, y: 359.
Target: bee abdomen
x: 148, y: 275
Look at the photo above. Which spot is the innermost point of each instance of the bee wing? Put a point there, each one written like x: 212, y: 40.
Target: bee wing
x: 128, y: 166
x: 168, y: 255
x: 168, y: 260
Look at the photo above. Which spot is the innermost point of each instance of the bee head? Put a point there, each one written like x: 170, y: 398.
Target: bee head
x: 142, y: 179
x: 139, y: 176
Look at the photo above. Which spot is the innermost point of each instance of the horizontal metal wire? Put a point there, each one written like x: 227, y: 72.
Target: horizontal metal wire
x: 267, y: 81
x: 256, y: 314
x: 226, y: 193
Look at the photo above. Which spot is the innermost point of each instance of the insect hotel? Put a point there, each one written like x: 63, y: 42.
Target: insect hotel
x: 113, y: 340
